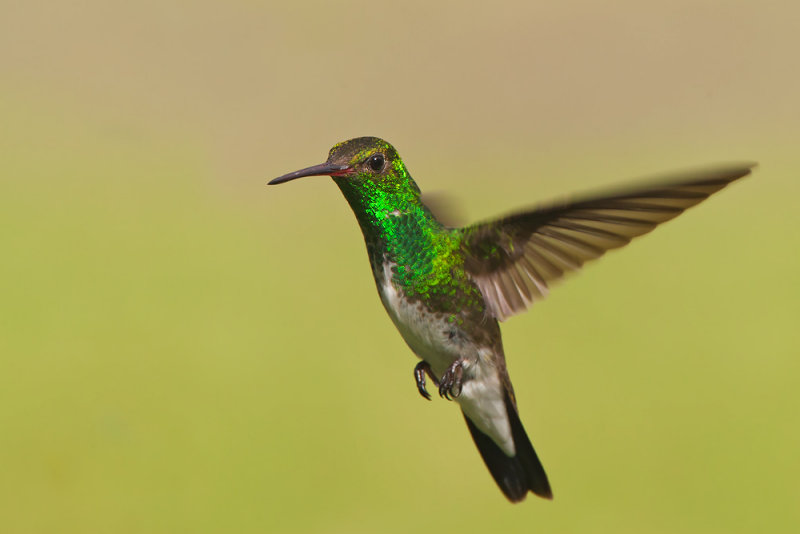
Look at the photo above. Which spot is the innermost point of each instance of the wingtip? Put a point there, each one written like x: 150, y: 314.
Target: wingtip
x: 745, y: 167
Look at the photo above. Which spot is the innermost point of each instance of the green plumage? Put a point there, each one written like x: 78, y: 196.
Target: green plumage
x: 446, y: 289
x: 398, y: 228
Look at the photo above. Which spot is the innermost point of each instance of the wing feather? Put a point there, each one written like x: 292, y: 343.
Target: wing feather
x: 515, y: 260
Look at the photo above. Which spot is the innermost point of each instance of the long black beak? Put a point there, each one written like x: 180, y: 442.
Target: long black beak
x: 323, y: 169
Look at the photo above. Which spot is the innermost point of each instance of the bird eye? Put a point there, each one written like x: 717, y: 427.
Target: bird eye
x: 376, y: 162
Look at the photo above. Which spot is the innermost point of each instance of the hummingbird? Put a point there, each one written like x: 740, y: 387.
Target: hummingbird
x: 446, y: 289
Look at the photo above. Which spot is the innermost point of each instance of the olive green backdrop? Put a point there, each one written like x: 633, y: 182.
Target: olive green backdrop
x: 183, y: 349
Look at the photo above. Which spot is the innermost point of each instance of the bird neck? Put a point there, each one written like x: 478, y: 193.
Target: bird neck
x: 400, y: 230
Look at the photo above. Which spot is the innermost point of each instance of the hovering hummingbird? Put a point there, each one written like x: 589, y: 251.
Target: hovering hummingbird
x: 446, y: 288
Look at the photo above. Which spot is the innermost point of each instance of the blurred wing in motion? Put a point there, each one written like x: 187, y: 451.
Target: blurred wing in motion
x: 514, y: 260
x: 445, y: 208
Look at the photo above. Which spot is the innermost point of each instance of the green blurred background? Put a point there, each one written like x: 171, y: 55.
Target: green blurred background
x: 183, y: 349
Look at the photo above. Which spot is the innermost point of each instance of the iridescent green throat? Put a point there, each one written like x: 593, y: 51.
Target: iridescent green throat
x: 399, y: 229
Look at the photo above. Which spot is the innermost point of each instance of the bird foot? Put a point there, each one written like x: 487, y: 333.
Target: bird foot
x: 450, y: 384
x: 422, y: 369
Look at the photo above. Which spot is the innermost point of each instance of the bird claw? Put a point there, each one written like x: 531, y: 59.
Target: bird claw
x: 450, y: 384
x: 420, y: 370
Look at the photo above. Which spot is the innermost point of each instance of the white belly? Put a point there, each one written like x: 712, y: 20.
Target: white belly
x: 428, y: 335
x: 431, y: 338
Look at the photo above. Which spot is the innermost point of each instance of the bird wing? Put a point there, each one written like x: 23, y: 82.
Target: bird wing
x: 514, y: 260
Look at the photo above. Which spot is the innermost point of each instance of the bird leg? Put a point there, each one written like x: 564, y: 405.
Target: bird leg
x: 421, y: 369
x: 450, y: 384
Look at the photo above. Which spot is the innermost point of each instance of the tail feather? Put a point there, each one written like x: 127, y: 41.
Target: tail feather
x: 516, y: 475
